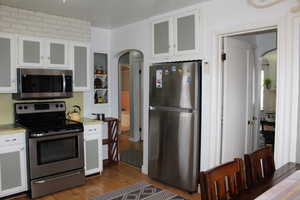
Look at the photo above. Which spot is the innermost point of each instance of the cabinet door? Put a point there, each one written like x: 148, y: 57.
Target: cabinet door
x: 92, y: 160
x: 162, y: 37
x: 13, y: 177
x: 31, y: 52
x: 8, y: 63
x: 57, y: 53
x: 187, y: 33
x: 81, y: 64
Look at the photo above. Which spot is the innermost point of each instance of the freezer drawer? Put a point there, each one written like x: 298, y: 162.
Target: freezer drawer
x: 175, y: 85
x: 174, y: 147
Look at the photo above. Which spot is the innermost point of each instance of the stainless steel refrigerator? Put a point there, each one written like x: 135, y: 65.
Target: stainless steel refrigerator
x: 174, y: 124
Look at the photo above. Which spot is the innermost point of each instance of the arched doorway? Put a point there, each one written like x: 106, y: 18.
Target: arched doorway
x: 130, y: 107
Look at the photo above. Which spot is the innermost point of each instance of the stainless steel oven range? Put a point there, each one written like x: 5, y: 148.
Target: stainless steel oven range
x: 55, y: 147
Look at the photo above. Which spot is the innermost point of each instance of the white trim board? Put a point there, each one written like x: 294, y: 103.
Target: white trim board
x: 285, y: 100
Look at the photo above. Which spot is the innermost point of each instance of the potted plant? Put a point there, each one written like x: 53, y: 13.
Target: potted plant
x: 268, y: 83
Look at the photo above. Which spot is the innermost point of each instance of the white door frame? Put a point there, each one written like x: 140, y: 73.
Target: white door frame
x: 294, y: 62
x: 284, y: 99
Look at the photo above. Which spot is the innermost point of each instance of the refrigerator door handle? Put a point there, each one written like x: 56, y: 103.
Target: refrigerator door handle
x: 171, y: 109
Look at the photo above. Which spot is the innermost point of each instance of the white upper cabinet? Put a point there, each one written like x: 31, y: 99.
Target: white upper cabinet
x: 8, y: 63
x: 80, y: 54
x: 162, y: 37
x: 31, y: 52
x: 186, y: 29
x: 37, y: 52
x: 57, y: 53
x: 175, y: 36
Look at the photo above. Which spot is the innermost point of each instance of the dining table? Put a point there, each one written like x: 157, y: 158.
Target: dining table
x: 284, y: 183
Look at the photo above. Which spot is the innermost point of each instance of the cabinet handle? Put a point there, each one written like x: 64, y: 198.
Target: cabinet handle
x: 14, y: 139
x: 40, y: 182
x: 7, y: 140
x: 56, y: 178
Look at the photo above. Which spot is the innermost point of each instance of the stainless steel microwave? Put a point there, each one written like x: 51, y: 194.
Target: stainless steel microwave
x: 43, y: 84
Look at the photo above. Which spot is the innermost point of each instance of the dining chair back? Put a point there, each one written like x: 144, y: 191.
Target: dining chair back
x: 223, y: 182
x: 259, y: 166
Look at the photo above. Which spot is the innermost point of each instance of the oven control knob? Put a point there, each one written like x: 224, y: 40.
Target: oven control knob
x: 61, y: 105
x: 25, y: 107
x: 56, y: 105
x: 20, y: 107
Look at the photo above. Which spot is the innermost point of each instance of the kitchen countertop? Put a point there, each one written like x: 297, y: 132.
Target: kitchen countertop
x: 10, y: 129
x: 87, y: 121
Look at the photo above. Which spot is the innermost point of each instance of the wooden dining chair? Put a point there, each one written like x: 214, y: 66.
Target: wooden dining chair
x: 223, y: 182
x: 259, y: 166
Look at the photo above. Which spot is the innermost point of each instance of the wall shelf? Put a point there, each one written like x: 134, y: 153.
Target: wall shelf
x: 100, y: 78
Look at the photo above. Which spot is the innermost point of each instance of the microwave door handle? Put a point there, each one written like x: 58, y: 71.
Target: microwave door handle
x: 19, y: 81
x: 64, y: 82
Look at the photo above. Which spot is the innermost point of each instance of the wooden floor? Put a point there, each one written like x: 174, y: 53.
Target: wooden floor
x: 112, y: 178
x: 125, y: 143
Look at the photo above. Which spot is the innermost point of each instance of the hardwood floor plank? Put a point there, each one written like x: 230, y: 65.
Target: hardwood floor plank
x: 113, y: 178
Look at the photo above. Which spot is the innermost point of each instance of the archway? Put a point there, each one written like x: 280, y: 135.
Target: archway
x: 130, y: 65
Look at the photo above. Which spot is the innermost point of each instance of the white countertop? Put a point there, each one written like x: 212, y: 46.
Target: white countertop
x: 10, y: 129
x: 87, y: 121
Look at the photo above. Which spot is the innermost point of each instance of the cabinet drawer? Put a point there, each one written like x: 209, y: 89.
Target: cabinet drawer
x: 92, y: 130
x: 12, y: 139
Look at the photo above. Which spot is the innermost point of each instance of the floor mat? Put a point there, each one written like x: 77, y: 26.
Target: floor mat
x: 139, y: 191
x: 132, y: 157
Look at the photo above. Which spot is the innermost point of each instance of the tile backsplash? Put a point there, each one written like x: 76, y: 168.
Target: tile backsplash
x: 7, y: 105
x: 37, y: 24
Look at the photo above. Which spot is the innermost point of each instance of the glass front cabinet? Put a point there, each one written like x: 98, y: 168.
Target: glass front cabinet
x: 13, y: 172
x: 8, y: 63
x: 176, y: 35
x: 42, y: 52
x: 80, y: 54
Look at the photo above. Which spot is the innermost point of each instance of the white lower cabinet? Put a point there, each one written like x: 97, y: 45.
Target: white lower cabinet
x: 93, y: 149
x: 13, y: 167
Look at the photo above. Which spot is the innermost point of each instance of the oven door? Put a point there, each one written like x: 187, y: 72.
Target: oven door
x: 55, y: 154
x: 44, y: 84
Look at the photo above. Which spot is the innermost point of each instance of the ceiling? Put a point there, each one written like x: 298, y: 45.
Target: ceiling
x: 102, y: 13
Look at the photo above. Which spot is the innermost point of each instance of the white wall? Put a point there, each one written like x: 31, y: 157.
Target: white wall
x: 218, y: 16
x: 100, y: 43
x: 133, y: 36
x: 37, y: 24
x: 266, y: 42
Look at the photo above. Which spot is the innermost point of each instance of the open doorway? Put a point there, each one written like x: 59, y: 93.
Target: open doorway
x: 130, y: 107
x: 249, y: 92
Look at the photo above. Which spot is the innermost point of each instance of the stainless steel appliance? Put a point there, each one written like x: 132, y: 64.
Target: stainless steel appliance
x: 174, y: 124
x: 55, y: 147
x: 44, y: 84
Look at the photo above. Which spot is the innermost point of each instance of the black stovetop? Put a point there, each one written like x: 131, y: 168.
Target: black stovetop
x: 45, y: 118
x: 50, y: 125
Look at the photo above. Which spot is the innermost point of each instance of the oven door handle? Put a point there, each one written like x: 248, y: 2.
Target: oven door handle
x: 56, y: 178
x: 37, y: 135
